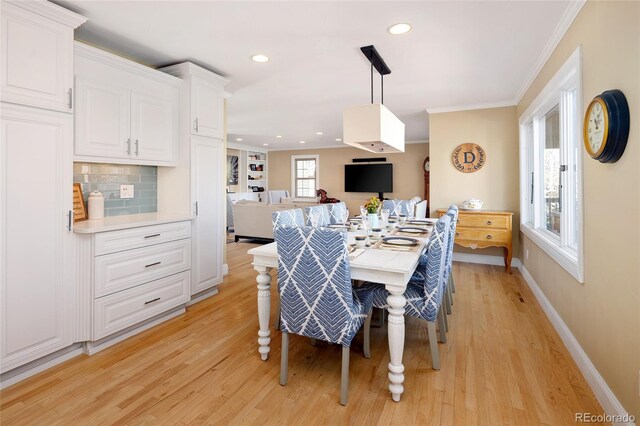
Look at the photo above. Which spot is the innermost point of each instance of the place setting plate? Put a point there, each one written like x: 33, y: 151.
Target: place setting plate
x: 398, y: 243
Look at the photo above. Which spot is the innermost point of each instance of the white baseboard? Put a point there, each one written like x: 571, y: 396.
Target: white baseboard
x: 91, y: 348
x: 44, y: 363
x: 484, y: 259
x: 604, y: 394
x: 202, y: 295
x: 225, y: 269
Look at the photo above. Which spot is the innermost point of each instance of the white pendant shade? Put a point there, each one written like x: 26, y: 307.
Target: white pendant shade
x: 373, y: 128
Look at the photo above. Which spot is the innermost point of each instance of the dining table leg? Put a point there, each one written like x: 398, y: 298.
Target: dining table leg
x: 264, y: 309
x: 397, y: 303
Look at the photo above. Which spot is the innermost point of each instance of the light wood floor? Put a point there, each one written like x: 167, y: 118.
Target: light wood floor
x: 503, y: 363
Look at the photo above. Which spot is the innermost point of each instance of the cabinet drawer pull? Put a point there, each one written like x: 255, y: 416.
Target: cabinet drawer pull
x: 152, y: 264
x: 457, y: 234
x: 489, y: 237
x: 129, y: 146
x: 489, y: 222
x: 137, y: 144
x: 70, y: 93
x: 152, y: 236
x: 196, y: 125
x: 152, y: 300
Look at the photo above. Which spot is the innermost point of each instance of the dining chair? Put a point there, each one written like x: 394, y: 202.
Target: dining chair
x: 452, y: 212
x: 229, y: 213
x: 337, y: 212
x: 424, y: 297
x: 323, y: 215
x: 292, y: 217
x: 317, y: 299
x: 405, y: 207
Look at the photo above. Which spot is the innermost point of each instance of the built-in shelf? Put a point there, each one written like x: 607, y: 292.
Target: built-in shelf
x: 257, y: 160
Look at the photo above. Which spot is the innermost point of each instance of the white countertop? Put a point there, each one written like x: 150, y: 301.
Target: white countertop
x: 113, y: 223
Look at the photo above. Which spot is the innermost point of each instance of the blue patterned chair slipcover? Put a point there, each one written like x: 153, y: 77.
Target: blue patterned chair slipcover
x: 336, y: 210
x: 229, y: 213
x: 322, y: 210
x: 424, y: 299
x: 406, y: 207
x: 293, y: 217
x: 316, y: 296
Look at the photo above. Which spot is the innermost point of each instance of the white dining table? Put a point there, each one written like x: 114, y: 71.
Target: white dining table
x: 390, y: 268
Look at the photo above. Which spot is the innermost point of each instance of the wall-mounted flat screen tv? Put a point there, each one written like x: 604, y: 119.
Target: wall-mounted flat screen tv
x: 368, y: 177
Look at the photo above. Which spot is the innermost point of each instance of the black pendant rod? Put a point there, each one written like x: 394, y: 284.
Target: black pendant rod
x: 371, y: 80
x: 376, y: 60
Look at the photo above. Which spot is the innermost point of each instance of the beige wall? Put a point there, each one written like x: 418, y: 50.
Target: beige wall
x: 604, y: 312
x: 496, y: 183
x: 408, y: 176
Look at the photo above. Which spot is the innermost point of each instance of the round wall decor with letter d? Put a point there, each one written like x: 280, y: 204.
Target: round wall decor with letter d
x: 469, y: 157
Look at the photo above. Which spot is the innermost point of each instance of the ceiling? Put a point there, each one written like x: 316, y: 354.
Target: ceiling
x: 458, y: 54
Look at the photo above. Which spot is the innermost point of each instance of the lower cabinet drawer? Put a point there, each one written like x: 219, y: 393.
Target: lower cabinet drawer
x: 482, y: 235
x: 120, y: 271
x: 120, y: 310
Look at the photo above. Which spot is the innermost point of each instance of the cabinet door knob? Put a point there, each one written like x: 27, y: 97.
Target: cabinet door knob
x: 70, y: 93
x: 129, y: 146
x: 489, y: 222
x: 196, y: 125
x: 489, y: 237
x: 137, y: 144
x: 457, y: 234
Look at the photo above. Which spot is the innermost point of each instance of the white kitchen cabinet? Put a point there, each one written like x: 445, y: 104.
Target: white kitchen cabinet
x: 154, y: 130
x: 102, y: 119
x: 131, y: 275
x: 36, y: 268
x: 125, y: 112
x: 205, y: 94
x: 36, y: 44
x: 207, y: 183
x: 207, y: 107
x: 201, y: 171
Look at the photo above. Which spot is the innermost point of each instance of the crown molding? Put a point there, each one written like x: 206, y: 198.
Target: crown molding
x: 51, y: 11
x: 566, y: 20
x: 469, y: 107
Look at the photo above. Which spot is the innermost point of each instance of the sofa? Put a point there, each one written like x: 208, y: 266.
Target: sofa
x: 252, y: 219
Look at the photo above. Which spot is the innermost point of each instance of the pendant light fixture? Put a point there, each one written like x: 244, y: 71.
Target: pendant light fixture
x: 373, y: 127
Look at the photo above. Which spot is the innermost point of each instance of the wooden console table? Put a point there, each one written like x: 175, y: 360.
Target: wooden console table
x: 485, y: 228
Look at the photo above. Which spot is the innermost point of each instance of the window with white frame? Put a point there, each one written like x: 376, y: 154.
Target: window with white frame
x: 551, y: 168
x: 304, y: 175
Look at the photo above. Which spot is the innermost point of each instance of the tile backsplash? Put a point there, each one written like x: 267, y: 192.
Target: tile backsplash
x: 107, y: 179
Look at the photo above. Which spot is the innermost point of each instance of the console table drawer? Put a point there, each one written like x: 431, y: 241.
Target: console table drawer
x: 483, y: 235
x: 484, y: 221
x: 133, y: 238
x: 120, y: 271
x: 126, y: 308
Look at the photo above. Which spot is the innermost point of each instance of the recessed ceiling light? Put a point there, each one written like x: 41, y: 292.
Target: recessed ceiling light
x: 397, y: 29
x: 265, y: 144
x: 260, y: 58
x: 278, y: 136
x: 338, y: 140
x: 318, y: 133
x: 303, y: 141
x: 239, y: 139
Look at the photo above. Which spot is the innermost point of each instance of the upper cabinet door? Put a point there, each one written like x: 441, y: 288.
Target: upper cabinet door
x: 207, y: 109
x: 37, y: 60
x: 153, y: 127
x: 102, y: 120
